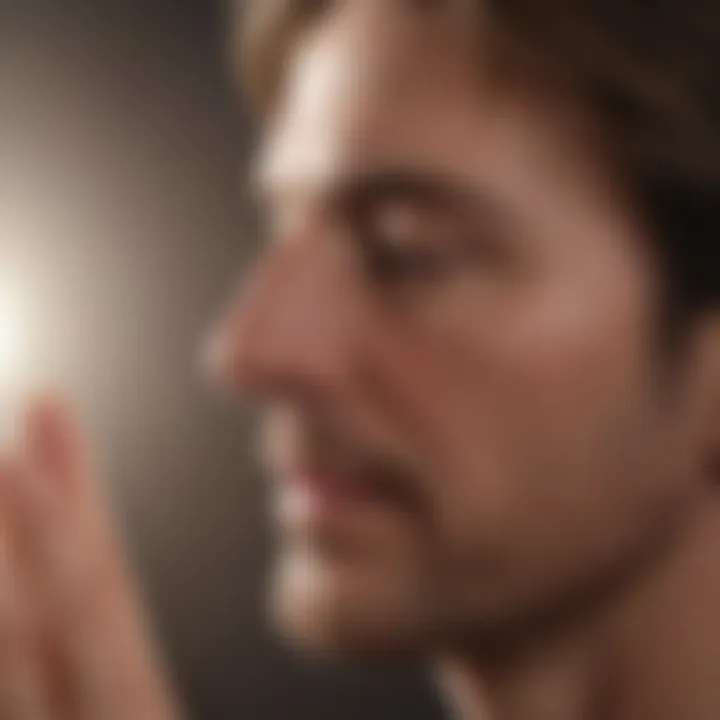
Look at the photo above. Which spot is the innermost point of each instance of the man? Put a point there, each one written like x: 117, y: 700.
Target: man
x: 484, y: 331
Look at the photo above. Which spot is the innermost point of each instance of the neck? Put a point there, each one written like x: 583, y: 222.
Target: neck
x: 653, y: 651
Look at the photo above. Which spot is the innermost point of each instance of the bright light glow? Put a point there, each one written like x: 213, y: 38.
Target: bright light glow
x: 12, y: 355
x: 10, y: 342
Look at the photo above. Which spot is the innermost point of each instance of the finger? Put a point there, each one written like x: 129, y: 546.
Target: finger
x: 102, y: 663
x: 23, y: 693
x: 76, y: 567
x: 55, y: 442
x: 78, y: 533
x: 59, y: 554
x: 52, y: 569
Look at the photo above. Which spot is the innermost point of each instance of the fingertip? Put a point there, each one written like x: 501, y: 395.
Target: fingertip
x: 47, y: 410
x: 52, y: 435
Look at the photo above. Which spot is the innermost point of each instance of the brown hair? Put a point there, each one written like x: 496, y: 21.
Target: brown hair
x: 648, y: 69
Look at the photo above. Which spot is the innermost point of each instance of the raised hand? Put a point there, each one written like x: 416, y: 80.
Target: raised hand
x: 73, y: 642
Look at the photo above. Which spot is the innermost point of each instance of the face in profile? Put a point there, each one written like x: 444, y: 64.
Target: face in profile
x: 451, y: 332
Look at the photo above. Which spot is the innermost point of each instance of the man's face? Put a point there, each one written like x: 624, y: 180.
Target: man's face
x: 451, y: 331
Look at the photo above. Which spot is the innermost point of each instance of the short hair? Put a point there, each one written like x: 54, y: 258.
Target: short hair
x: 648, y: 69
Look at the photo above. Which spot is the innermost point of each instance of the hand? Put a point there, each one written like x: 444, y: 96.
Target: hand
x: 72, y: 641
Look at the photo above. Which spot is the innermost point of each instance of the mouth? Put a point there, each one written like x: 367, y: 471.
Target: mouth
x: 308, y: 498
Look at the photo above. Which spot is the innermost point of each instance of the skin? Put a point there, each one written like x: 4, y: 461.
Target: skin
x: 455, y: 293
x: 73, y: 640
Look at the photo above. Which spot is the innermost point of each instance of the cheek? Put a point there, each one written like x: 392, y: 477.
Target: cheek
x: 535, y: 425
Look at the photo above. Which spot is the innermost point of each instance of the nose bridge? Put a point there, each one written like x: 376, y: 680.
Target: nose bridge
x: 290, y: 327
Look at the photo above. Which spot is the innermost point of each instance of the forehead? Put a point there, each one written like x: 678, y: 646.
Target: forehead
x: 379, y: 83
x: 356, y: 78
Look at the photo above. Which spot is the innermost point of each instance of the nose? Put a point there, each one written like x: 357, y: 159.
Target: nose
x: 290, y: 331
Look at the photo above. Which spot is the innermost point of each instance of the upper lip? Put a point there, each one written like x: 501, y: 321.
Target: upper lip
x: 292, y: 459
x: 339, y: 476
x: 373, y: 480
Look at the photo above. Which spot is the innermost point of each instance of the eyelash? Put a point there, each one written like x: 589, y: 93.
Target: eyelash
x: 391, y: 265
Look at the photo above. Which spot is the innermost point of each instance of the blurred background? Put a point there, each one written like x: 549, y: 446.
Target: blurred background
x: 122, y: 232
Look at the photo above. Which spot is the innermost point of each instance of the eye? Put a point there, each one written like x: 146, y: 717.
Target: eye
x: 403, y: 243
x: 390, y: 264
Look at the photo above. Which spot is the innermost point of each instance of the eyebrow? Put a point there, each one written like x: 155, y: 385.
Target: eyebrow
x: 395, y: 183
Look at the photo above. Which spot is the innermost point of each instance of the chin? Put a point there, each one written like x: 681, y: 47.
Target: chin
x: 338, y: 609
